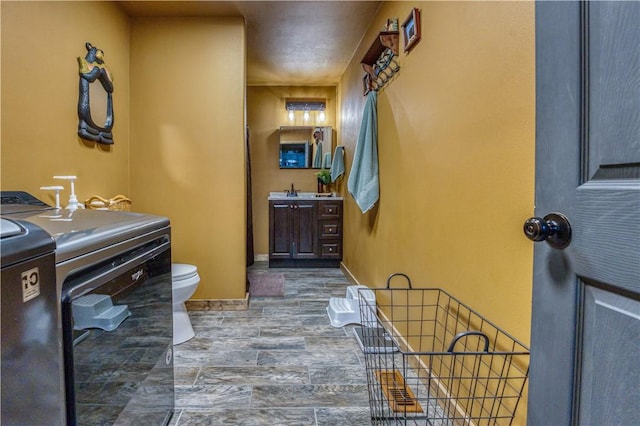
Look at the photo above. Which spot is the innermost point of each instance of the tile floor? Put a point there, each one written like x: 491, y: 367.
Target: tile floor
x: 278, y: 363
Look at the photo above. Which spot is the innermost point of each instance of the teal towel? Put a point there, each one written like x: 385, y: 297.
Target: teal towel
x: 337, y: 166
x: 363, y: 183
x: 317, y: 161
x: 326, y: 161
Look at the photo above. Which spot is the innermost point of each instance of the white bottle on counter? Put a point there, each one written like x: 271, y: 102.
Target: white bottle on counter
x: 73, y: 200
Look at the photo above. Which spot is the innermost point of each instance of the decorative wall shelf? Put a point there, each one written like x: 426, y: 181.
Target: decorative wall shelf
x: 380, y: 62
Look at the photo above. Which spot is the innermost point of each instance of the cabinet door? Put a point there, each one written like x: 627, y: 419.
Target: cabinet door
x: 305, y: 240
x: 280, y: 229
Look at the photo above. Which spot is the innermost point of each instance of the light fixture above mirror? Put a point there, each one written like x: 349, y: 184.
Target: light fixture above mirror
x: 307, y: 106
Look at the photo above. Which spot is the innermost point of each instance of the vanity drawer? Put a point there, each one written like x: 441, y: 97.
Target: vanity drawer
x: 330, y: 250
x: 330, y: 228
x: 329, y: 209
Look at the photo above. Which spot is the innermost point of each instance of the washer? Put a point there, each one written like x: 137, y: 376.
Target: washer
x: 31, y: 365
x: 124, y: 257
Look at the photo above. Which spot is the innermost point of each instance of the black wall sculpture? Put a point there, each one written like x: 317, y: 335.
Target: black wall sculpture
x: 92, y: 68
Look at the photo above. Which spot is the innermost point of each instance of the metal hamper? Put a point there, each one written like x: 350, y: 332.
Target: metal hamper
x: 449, y: 365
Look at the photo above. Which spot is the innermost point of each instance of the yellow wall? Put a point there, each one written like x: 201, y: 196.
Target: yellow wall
x: 265, y: 114
x: 456, y: 148
x: 187, y: 150
x: 40, y: 44
x: 179, y: 131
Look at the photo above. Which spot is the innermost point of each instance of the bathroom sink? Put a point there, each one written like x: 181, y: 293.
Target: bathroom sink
x: 301, y: 196
x: 279, y: 196
x: 286, y: 196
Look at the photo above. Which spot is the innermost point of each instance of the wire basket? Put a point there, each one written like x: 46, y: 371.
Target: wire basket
x: 448, y: 365
x: 118, y: 203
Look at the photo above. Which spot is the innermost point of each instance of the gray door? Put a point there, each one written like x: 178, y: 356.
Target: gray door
x: 585, y: 336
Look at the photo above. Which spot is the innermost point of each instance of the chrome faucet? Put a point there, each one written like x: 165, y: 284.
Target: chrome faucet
x: 293, y: 192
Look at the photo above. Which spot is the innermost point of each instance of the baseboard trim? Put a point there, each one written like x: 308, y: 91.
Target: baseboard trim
x: 348, y: 274
x: 304, y: 263
x: 218, y: 304
x: 261, y: 257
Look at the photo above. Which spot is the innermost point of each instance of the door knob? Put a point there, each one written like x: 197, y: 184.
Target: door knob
x: 554, y: 228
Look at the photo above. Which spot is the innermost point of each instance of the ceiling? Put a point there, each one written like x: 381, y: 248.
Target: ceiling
x: 288, y: 42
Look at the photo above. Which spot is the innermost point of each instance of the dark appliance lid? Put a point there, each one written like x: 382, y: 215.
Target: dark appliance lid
x: 20, y: 201
x: 83, y: 231
x: 21, y: 241
x: 79, y: 232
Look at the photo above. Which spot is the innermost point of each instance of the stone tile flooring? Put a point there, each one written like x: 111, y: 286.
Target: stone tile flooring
x: 278, y: 363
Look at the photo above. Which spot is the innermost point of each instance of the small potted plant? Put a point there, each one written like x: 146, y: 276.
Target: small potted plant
x: 324, y: 181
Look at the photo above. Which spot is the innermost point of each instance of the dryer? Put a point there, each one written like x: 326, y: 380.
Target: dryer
x: 31, y: 367
x: 121, y: 372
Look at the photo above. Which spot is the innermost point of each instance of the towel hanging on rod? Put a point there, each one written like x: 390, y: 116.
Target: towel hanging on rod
x: 337, y: 166
x: 363, y: 183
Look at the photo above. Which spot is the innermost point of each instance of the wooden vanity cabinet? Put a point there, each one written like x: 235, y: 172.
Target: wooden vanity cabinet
x: 305, y: 233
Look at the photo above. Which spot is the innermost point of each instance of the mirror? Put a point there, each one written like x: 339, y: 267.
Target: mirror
x: 98, y: 103
x: 95, y: 99
x: 306, y: 147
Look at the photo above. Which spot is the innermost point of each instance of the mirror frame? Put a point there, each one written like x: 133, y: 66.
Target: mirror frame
x: 92, y: 68
x: 312, y: 157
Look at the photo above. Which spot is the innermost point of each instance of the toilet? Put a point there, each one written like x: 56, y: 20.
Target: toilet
x: 185, y: 280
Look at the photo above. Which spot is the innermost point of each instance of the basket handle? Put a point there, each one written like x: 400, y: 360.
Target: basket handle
x: 101, y: 202
x: 396, y: 275
x: 119, y: 198
x: 469, y: 333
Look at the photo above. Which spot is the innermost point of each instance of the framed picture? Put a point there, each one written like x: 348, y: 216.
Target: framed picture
x: 411, y: 30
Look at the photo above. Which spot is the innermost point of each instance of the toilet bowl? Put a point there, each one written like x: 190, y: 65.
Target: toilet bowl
x: 185, y: 280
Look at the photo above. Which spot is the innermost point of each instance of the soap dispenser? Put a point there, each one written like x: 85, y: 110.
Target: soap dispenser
x: 57, y: 189
x: 73, y: 201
